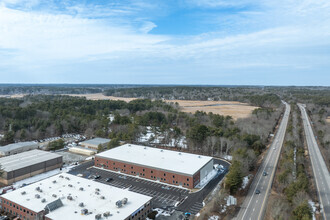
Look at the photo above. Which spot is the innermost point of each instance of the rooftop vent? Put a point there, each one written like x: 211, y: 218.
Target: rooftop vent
x: 23, y: 193
x: 54, y: 195
x: 119, y: 204
x: 97, y: 193
x: 81, y: 204
x: 124, y: 201
x: 37, y: 188
x: 81, y: 189
x: 70, y: 185
x: 69, y: 197
x: 97, y: 189
x: 145, y: 147
x: 84, y: 211
x: 37, y: 196
x: 199, y: 156
x: 161, y: 150
x: 67, y: 178
x: 102, y: 197
x: 98, y: 216
x: 43, y: 200
x: 129, y: 145
x: 54, y: 181
x: 180, y: 153
x: 106, y: 214
x: 61, y: 176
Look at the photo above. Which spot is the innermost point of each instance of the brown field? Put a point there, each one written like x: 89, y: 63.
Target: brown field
x: 100, y: 96
x: 328, y: 119
x: 234, y: 109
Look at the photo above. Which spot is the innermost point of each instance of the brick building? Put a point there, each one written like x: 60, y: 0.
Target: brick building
x: 66, y: 196
x: 172, y: 167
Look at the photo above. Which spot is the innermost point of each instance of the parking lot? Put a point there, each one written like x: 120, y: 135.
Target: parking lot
x: 163, y: 195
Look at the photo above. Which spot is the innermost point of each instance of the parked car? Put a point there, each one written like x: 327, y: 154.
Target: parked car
x: 97, y: 177
x: 265, y: 173
x: 257, y: 191
x: 108, y: 179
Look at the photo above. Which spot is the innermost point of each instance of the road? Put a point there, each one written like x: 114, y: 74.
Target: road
x: 254, y: 204
x: 320, y: 170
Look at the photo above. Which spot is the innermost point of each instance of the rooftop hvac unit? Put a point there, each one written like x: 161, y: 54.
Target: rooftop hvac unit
x: 180, y: 153
x: 124, y: 201
x: 67, y: 178
x: 38, y: 188
x: 69, y: 197
x: 97, y: 193
x: 119, y: 203
x: 199, y: 156
x: 54, y: 181
x: 70, y: 185
x: 81, y: 204
x: 81, y: 189
x: 23, y: 193
x: 97, y: 189
x: 106, y: 214
x: 145, y: 148
x: 61, y: 176
x: 98, y: 216
x: 37, y: 196
x: 43, y: 200
x: 161, y: 151
x: 54, y: 195
x: 102, y: 197
x: 84, y: 211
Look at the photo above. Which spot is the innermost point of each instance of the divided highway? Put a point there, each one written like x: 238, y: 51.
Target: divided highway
x: 320, y: 170
x: 254, y: 204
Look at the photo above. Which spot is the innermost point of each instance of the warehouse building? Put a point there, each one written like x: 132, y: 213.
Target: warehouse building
x: 172, y: 167
x: 23, y: 165
x: 66, y: 196
x: 19, y: 147
x: 94, y: 143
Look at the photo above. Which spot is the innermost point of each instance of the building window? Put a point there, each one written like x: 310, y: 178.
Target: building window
x: 184, y: 184
x: 143, y: 170
x: 187, y: 184
x: 187, y: 179
x: 164, y: 174
x: 173, y: 176
x: 124, y: 165
x: 113, y: 163
x: 131, y: 167
x: 152, y: 171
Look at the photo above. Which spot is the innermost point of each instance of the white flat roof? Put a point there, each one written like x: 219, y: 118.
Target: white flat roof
x: 24, y: 159
x: 96, y: 141
x: 92, y: 202
x: 171, y: 161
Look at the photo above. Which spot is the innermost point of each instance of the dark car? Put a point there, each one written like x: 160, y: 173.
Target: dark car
x: 265, y: 173
x: 108, y: 179
x: 257, y: 191
x: 97, y: 177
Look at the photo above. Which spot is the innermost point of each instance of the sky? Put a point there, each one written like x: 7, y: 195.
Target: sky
x: 213, y: 42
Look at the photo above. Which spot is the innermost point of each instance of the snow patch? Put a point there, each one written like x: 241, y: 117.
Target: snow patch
x: 228, y: 157
x: 214, y: 217
x: 245, y: 182
x: 312, y: 205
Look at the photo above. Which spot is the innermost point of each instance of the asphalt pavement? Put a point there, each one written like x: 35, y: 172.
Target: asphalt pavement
x: 320, y: 170
x: 254, y: 203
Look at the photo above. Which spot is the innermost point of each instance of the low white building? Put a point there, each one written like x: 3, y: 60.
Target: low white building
x: 94, y: 143
x: 66, y: 196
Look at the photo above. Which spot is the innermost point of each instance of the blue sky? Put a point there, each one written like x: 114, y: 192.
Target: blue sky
x: 236, y: 42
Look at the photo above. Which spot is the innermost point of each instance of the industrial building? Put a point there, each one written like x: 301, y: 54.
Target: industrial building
x: 65, y: 196
x: 82, y: 150
x: 94, y: 143
x: 23, y: 165
x: 172, y: 167
x: 19, y: 147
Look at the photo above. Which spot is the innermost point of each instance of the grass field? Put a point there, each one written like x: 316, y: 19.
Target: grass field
x: 234, y: 109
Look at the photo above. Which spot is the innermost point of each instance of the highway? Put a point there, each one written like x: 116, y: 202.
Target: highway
x: 254, y: 205
x: 320, y: 170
